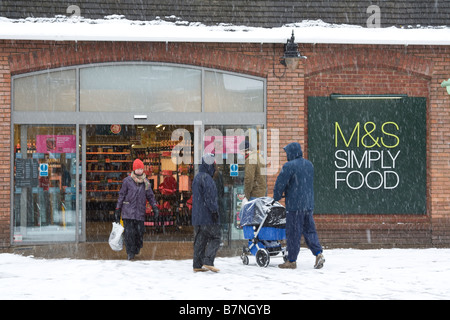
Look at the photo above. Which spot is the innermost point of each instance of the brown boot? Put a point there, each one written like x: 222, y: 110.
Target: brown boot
x: 212, y: 268
x: 288, y: 265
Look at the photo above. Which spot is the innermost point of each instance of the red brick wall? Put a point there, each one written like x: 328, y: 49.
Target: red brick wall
x: 5, y: 133
x: 416, y: 71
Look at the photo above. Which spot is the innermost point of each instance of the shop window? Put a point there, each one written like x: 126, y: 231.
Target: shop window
x: 138, y: 88
x: 44, y: 184
x: 51, y: 91
x: 225, y: 141
x: 44, y: 207
x: 231, y: 93
x: 141, y: 88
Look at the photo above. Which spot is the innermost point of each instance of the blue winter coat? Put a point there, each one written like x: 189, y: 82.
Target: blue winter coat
x: 296, y: 180
x: 133, y: 198
x: 204, y: 195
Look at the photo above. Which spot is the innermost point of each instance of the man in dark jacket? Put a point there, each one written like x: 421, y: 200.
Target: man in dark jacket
x: 296, y: 182
x: 133, y: 195
x: 205, y: 217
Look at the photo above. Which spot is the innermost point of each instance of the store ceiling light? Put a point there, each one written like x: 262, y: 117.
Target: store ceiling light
x: 292, y: 56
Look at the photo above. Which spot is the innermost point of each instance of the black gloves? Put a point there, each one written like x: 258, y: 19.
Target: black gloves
x: 155, y: 211
x: 215, y: 217
x: 117, y: 215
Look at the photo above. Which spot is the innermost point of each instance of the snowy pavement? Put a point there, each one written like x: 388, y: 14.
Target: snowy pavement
x: 347, y: 274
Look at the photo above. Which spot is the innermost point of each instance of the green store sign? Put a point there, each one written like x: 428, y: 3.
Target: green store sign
x: 369, y: 154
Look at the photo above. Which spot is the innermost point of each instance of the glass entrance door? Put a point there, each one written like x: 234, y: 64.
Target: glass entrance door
x: 227, y: 143
x: 45, y: 184
x: 167, y: 154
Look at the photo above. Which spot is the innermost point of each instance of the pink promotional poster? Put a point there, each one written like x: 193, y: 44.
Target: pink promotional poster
x: 224, y: 144
x: 56, y: 144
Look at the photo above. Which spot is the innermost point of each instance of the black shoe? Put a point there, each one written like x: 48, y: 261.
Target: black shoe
x: 130, y: 256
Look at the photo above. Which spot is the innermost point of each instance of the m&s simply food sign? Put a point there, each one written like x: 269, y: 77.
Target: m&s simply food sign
x: 369, y: 155
x: 372, y: 167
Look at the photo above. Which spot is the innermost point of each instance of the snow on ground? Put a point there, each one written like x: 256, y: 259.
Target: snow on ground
x: 347, y: 274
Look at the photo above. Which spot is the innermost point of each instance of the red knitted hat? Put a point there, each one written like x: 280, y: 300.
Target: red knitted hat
x: 138, y: 164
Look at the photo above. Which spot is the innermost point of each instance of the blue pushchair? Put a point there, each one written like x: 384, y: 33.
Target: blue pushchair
x: 263, y: 221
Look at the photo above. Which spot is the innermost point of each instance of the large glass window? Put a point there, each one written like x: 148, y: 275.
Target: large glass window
x: 226, y: 142
x: 141, y: 88
x: 231, y: 93
x: 44, y: 183
x: 50, y: 91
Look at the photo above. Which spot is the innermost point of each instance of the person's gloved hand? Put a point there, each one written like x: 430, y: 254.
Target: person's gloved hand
x: 117, y: 214
x: 215, y: 217
x: 155, y: 211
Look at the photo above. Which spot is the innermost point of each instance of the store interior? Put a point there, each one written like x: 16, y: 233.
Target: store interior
x: 45, y: 201
x: 110, y: 152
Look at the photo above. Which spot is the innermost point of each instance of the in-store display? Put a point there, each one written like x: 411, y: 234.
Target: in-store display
x: 110, y: 152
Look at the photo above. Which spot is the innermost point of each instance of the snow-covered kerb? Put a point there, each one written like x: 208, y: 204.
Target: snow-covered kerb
x: 117, y: 28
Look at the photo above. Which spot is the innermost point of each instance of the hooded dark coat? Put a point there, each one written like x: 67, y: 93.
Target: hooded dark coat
x: 296, y: 180
x: 204, y: 194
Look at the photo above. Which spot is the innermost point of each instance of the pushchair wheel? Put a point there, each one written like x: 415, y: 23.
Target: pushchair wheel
x: 262, y: 258
x: 244, y: 259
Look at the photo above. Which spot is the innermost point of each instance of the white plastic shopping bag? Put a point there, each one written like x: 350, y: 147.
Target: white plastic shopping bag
x: 116, y: 237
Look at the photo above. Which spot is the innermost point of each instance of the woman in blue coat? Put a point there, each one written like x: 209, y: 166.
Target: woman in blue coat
x: 133, y: 195
x: 205, y: 216
x: 296, y: 183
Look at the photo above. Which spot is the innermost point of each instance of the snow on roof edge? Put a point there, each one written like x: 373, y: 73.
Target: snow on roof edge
x: 116, y: 28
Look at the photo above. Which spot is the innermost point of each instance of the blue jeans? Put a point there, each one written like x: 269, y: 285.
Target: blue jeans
x: 300, y: 223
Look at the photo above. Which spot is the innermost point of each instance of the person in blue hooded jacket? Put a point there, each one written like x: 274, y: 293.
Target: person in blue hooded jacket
x: 205, y: 216
x: 296, y: 183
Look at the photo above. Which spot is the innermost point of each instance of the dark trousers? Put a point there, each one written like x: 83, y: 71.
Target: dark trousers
x: 206, y: 244
x: 300, y: 223
x: 133, y: 235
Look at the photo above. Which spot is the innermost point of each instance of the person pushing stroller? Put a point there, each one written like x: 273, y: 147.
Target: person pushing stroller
x: 295, y: 181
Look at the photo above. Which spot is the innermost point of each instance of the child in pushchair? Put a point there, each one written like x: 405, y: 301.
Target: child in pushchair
x: 263, y: 221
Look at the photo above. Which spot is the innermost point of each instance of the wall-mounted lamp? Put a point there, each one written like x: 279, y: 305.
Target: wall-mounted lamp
x: 446, y: 84
x: 291, y: 56
x: 337, y: 96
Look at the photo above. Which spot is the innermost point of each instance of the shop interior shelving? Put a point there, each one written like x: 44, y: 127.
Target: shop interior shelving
x: 108, y: 164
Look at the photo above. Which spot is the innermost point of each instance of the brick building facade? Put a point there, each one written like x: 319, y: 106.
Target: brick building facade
x: 350, y: 69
